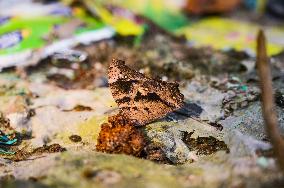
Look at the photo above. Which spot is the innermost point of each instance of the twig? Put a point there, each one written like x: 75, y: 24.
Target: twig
x: 267, y: 98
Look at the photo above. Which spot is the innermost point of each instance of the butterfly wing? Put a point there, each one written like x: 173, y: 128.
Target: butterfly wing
x: 140, y: 98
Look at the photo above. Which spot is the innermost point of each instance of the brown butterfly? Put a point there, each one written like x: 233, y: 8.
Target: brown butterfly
x: 139, y: 98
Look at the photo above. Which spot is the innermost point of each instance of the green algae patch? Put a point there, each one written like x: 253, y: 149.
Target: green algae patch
x: 160, y: 126
x: 89, y: 130
x: 104, y: 96
x: 133, y: 172
x: 64, y: 137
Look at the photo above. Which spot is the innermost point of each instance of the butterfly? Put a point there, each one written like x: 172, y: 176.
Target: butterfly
x: 142, y: 99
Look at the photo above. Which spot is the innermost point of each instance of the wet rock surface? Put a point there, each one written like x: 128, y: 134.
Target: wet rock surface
x: 217, y: 139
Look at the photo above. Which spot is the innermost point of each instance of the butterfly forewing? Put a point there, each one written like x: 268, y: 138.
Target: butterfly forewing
x: 140, y: 98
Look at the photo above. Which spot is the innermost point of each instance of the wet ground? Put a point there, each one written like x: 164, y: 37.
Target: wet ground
x: 56, y: 110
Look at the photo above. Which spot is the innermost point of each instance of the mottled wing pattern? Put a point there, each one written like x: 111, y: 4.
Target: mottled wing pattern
x: 140, y: 98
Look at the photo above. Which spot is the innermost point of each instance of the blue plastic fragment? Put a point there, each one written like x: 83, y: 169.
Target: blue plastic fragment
x: 7, y: 152
x: 8, y: 40
x: 244, y: 88
x: 4, y: 138
x: 9, y: 142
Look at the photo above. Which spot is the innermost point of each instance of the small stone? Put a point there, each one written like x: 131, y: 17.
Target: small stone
x: 279, y: 99
x: 107, y: 177
x: 244, y: 104
x: 75, y: 138
x: 262, y: 161
x: 234, y: 106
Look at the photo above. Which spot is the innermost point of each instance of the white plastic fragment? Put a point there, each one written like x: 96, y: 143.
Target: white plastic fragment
x: 29, y: 57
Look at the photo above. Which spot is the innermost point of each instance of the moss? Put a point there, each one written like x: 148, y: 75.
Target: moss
x: 160, y: 126
x: 135, y: 172
x: 120, y: 136
x: 107, y: 100
x: 88, y: 130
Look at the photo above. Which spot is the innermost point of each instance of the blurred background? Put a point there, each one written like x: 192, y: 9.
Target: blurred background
x: 54, y: 95
x: 34, y: 31
x: 27, y: 25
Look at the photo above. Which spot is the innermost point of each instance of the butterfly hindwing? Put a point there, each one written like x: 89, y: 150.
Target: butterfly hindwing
x: 140, y: 98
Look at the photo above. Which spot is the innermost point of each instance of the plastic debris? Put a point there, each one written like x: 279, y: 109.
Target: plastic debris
x: 4, y: 152
x: 6, y: 141
x: 123, y: 21
x: 203, y: 7
x: 165, y: 14
x: 229, y: 33
x: 26, y: 39
x: 225, y: 33
x: 70, y: 55
x: 7, y: 136
x: 263, y: 162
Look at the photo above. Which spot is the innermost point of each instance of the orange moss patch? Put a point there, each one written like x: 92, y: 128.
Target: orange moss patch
x: 120, y: 136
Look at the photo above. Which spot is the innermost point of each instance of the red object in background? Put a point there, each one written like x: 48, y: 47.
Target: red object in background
x: 211, y: 6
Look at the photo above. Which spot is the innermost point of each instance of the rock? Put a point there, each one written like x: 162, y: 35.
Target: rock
x: 208, y: 98
x: 169, y: 137
x: 48, y: 122
x: 249, y: 121
x: 243, y: 145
